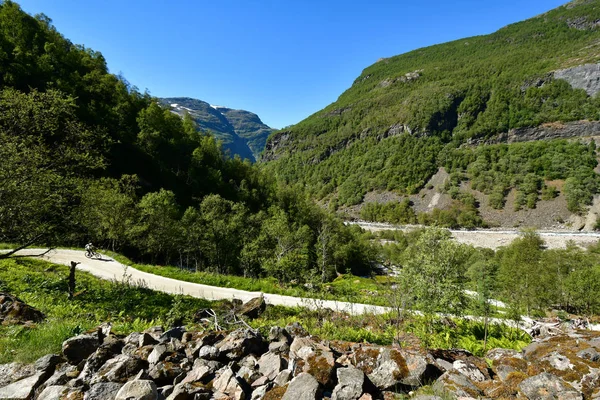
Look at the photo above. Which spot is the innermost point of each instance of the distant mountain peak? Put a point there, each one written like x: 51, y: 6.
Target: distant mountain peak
x: 242, y: 132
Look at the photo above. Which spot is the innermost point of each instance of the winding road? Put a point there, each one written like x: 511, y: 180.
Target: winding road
x: 109, y: 269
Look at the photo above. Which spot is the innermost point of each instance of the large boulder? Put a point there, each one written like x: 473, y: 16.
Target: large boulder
x: 406, y: 368
x: 253, y: 308
x: 14, y: 311
x: 302, y: 387
x: 12, y: 372
x: 546, y: 386
x: 138, y: 390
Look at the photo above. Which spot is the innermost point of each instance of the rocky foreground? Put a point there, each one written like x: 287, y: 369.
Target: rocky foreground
x: 290, y: 364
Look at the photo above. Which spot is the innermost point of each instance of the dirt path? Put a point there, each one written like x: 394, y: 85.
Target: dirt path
x: 493, y: 239
x: 110, y: 269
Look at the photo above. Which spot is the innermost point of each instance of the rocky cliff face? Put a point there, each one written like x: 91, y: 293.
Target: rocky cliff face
x: 586, y: 77
x: 242, y: 132
x: 555, y: 130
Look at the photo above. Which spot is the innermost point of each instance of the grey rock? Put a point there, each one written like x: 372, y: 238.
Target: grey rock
x: 589, y: 354
x: 159, y: 353
x: 259, y: 392
x: 48, y: 363
x: 558, y: 361
x: 133, y: 338
x: 278, y: 334
x: 240, y: 343
x: 279, y: 347
x: 188, y: 391
x: 455, y: 383
x: 145, y: 339
x: 228, y: 383
x: 253, y: 308
x: 426, y: 397
x: 173, y: 333
x: 248, y: 374
x: 53, y: 393
x: 502, y: 371
x: 586, y: 77
x: 209, y: 353
x: 155, y: 331
x: 402, y: 367
x: 62, y: 375
x: 79, y: 348
x: 262, y: 381
x: 444, y: 365
x: 296, y: 330
x: 138, y: 390
x: 118, y: 369
x: 198, y: 374
x: 350, y: 384
x: 270, y: 365
x: 103, y: 391
x: 497, y: 354
x: 283, y: 377
x: 469, y: 370
x: 129, y: 349
x: 165, y: 372
x: 22, y: 389
x: 546, y: 386
x: 12, y: 372
x: 302, y: 387
x: 165, y: 391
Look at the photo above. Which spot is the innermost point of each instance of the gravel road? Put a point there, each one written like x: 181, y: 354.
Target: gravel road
x: 493, y: 239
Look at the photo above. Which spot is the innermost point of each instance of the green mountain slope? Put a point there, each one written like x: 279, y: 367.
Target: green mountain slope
x: 394, y: 127
x: 242, y: 132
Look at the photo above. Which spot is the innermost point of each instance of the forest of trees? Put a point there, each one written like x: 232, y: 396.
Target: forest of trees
x: 86, y: 156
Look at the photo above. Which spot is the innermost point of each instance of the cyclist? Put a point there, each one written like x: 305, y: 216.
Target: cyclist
x: 89, y: 249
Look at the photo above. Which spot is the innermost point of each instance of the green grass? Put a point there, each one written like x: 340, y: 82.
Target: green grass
x: 128, y: 308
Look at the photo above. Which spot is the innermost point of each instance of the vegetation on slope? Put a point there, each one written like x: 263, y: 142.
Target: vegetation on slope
x: 88, y: 157
x: 386, y: 131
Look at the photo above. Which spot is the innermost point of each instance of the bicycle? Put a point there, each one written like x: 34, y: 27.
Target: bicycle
x: 93, y: 254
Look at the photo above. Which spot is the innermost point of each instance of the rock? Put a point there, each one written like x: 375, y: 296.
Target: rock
x: 138, y: 390
x: 589, y: 354
x: 253, y: 308
x: 165, y: 372
x: 350, y: 384
x: 201, y: 373
x: 209, y: 353
x: 159, y: 353
x: 188, y: 391
x: 103, y: 391
x: 14, y: 311
x: 283, y: 377
x: 279, y: 347
x: 496, y: 354
x: 259, y: 392
x: 53, y: 393
x: 469, y: 370
x: 12, y: 372
x: 173, y: 333
x: 444, y: 365
x: 296, y: 330
x: 48, y: 363
x: 145, y: 339
x: 270, y: 365
x: 23, y: 388
x: 119, y: 369
x: 302, y: 387
x: 426, y: 397
x: 240, y: 343
x: 455, y: 383
x: 165, y: 391
x: 546, y: 386
x: 155, y: 331
x: 396, y: 367
x: 558, y: 361
x: 586, y: 77
x: 62, y: 375
x: 79, y: 348
x: 278, y: 334
x: 228, y: 383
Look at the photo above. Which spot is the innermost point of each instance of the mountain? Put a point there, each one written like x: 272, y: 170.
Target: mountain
x: 242, y: 132
x: 407, y: 116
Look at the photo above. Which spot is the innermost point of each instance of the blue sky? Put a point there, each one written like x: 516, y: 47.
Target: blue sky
x: 283, y: 60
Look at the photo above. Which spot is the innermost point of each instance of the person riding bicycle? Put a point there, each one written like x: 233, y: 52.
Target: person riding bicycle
x: 89, y: 248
